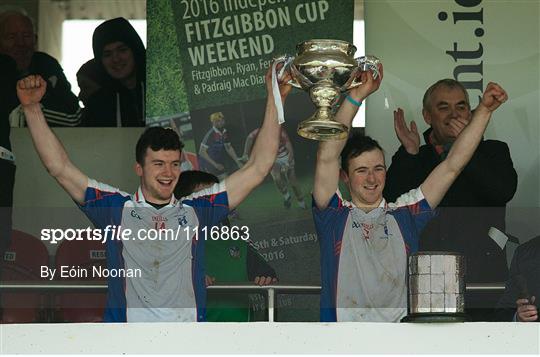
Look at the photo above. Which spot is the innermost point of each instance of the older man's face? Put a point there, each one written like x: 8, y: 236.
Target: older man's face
x: 448, y: 115
x: 17, y: 40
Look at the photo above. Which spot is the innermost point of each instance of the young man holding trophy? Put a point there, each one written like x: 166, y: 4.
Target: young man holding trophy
x: 364, y: 243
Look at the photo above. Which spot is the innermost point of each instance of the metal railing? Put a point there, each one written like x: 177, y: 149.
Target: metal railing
x: 272, y: 291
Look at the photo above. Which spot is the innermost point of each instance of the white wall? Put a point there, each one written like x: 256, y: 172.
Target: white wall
x: 105, y: 154
x: 268, y: 338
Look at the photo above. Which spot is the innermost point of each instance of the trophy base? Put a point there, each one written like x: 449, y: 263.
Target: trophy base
x: 433, y: 317
x: 322, y: 130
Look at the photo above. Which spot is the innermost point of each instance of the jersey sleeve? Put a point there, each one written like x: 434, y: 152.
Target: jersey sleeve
x: 330, y: 225
x: 413, y: 210
x: 103, y: 204
x: 330, y: 221
x: 211, y: 205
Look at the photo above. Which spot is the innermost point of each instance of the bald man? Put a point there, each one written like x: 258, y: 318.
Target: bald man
x: 18, y: 40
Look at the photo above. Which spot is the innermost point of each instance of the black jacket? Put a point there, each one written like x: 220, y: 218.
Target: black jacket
x: 114, y: 106
x: 524, y: 280
x: 474, y: 203
x: 60, y: 105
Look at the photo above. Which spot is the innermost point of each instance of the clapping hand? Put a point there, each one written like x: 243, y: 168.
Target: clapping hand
x: 409, y: 138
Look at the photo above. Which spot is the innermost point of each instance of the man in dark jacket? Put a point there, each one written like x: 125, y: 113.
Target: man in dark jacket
x: 18, y: 41
x: 477, y: 199
x: 121, y: 60
x: 520, y: 299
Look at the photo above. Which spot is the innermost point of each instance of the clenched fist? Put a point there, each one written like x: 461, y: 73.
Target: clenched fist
x: 31, y: 89
x: 493, y: 97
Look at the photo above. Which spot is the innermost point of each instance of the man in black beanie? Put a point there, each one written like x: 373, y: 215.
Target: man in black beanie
x: 121, y: 58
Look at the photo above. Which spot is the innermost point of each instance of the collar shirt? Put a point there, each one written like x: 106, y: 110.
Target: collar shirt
x: 160, y: 251
x: 364, y: 257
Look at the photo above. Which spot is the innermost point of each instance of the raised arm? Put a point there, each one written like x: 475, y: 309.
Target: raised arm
x: 263, y: 153
x: 442, y: 176
x: 328, y: 153
x: 30, y: 91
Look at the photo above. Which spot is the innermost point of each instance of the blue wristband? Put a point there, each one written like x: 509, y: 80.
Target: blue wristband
x: 352, y: 101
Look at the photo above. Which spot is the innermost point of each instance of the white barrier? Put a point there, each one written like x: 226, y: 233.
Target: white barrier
x: 305, y: 338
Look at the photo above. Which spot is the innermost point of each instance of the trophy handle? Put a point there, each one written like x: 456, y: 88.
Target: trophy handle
x: 288, y: 66
x: 365, y: 63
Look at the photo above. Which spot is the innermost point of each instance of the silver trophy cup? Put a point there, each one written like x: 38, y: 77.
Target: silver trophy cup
x: 326, y: 69
x: 436, y: 287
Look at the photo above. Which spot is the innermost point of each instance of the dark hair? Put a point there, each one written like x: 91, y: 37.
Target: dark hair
x: 157, y: 138
x: 188, y: 181
x: 357, y: 144
x: 448, y: 83
x: 90, y: 69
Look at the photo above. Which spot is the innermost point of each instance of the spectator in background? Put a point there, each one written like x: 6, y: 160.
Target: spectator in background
x: 18, y: 40
x: 215, y: 147
x: 120, y: 56
x: 520, y: 299
x: 90, y: 80
x: 476, y: 201
x: 226, y: 261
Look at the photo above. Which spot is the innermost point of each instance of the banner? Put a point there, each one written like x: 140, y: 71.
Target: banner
x: 474, y: 42
x: 226, y: 45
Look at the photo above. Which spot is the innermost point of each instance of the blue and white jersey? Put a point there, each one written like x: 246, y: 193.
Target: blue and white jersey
x: 171, y: 285
x: 364, y: 256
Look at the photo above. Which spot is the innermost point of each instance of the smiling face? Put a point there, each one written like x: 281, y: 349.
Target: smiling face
x: 119, y: 61
x: 447, y: 104
x: 159, y: 174
x: 365, y: 179
x: 18, y: 40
